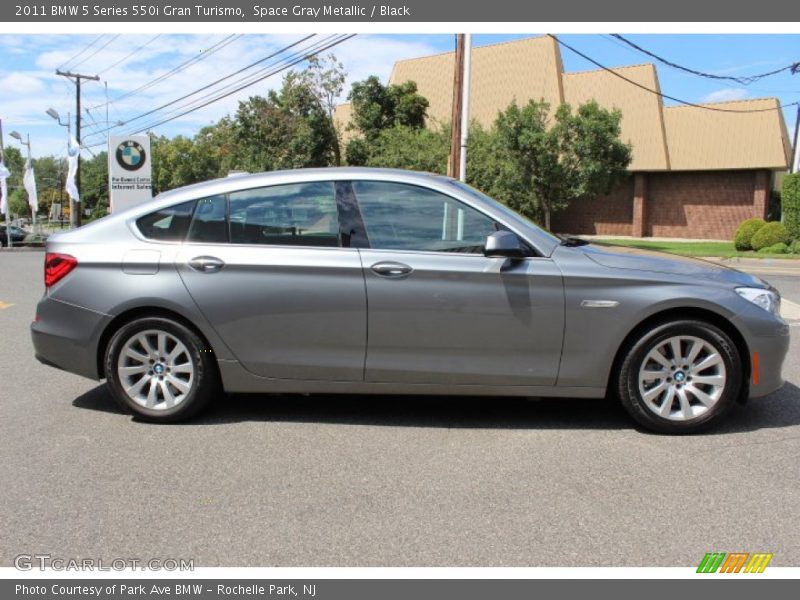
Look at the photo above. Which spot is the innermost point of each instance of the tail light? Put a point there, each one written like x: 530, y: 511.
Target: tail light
x: 57, y: 266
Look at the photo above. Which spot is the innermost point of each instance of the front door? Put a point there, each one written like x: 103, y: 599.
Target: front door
x: 439, y: 311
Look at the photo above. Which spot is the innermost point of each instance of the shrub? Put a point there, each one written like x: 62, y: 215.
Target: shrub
x: 744, y: 234
x: 794, y: 247
x: 790, y: 201
x: 779, y: 248
x: 769, y: 235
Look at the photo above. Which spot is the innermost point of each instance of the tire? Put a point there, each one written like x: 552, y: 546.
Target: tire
x: 664, y: 396
x: 169, y: 373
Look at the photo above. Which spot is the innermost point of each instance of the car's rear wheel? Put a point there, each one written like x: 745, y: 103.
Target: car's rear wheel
x: 680, y: 376
x: 160, y: 370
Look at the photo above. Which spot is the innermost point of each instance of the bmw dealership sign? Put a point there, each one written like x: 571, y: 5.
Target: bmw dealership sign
x: 129, y: 173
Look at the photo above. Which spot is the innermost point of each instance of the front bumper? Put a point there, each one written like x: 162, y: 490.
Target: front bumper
x: 66, y: 336
x: 767, y: 338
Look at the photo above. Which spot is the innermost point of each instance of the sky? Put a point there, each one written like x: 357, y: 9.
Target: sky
x: 126, y: 63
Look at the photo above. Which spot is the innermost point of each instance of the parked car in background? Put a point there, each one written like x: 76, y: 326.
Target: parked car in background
x: 18, y: 235
x: 382, y: 281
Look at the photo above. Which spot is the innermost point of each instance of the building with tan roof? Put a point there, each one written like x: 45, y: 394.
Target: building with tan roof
x: 696, y: 172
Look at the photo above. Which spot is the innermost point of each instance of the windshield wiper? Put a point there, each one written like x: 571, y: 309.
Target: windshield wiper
x: 572, y: 241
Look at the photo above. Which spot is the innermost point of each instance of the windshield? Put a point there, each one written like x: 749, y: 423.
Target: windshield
x: 512, y: 214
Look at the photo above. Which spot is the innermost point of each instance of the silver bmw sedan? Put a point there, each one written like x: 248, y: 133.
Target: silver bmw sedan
x: 373, y: 281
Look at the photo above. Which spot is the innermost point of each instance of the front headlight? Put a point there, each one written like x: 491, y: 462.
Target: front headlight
x: 766, y: 299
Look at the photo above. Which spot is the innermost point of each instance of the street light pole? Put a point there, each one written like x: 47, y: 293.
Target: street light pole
x: 74, y: 213
x: 53, y: 113
x: 29, y: 165
x: 8, y: 206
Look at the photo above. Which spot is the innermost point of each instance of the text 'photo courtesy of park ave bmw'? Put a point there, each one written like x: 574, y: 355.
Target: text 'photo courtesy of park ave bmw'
x: 401, y: 216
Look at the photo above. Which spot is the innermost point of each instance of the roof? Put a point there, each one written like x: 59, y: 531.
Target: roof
x: 528, y: 69
x: 642, y: 119
x: 707, y: 139
x: 679, y: 138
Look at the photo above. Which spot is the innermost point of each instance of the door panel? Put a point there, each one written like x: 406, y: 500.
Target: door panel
x: 462, y: 319
x: 290, y: 313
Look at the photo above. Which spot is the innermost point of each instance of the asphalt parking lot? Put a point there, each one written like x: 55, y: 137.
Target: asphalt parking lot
x: 381, y: 481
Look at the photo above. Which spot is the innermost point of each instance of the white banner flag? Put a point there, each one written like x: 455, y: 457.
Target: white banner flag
x: 4, y: 174
x: 73, y: 152
x: 30, y: 186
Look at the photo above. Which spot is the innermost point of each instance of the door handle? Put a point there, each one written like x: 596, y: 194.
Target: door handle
x: 206, y: 264
x: 391, y: 270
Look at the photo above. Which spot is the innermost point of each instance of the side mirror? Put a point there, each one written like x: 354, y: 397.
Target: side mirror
x: 503, y: 244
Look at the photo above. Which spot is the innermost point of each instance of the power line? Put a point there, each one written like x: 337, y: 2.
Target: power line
x: 127, y: 56
x: 248, y: 80
x: 221, y: 79
x: 85, y: 58
x: 666, y: 96
x: 213, y: 83
x: 92, y: 43
x: 744, y: 80
x: 300, y: 57
x: 177, y: 69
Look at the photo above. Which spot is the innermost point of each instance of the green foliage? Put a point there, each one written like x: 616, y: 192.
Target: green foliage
x: 538, y: 165
x: 377, y: 107
x: 94, y: 181
x: 402, y: 147
x: 743, y: 237
x: 325, y: 77
x: 769, y: 235
x: 794, y: 247
x: 779, y: 248
x: 790, y: 200
x: 18, y: 203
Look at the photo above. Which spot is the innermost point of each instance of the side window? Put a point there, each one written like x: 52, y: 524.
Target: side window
x: 209, y: 224
x: 301, y: 214
x: 168, y: 224
x: 407, y: 217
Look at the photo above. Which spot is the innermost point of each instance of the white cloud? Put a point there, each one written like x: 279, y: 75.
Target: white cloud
x: 22, y: 83
x: 37, y: 88
x: 725, y: 94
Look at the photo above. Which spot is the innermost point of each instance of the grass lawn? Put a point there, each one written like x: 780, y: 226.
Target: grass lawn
x: 689, y: 248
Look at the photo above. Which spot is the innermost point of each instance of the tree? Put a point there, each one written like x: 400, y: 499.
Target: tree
x: 538, y: 167
x: 172, y: 162
x: 402, y: 147
x: 325, y: 78
x: 94, y: 183
x: 790, y: 197
x: 377, y: 108
x: 288, y: 129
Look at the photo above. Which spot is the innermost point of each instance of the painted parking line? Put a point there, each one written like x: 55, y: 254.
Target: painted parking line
x: 5, y: 305
x: 790, y: 310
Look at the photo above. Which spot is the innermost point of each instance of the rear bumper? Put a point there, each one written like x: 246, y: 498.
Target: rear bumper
x: 66, y: 336
x: 767, y: 338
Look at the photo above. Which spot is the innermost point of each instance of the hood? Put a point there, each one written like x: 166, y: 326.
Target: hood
x: 622, y: 257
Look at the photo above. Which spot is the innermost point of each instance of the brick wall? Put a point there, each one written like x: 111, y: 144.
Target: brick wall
x: 693, y: 204
x: 607, y: 215
x: 708, y: 204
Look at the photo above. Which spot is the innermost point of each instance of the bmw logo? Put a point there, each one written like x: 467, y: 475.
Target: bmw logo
x: 130, y: 155
x: 680, y: 376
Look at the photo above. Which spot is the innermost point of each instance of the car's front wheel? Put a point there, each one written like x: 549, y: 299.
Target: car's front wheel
x: 160, y: 370
x: 680, y: 376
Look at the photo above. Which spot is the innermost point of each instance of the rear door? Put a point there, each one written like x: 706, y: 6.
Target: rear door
x: 439, y: 311
x: 267, y: 268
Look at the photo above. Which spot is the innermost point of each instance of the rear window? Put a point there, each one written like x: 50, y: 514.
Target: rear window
x: 168, y: 224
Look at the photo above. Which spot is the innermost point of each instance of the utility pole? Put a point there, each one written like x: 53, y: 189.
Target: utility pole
x: 74, y: 209
x: 795, y: 149
x: 455, y: 120
x: 465, y: 83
